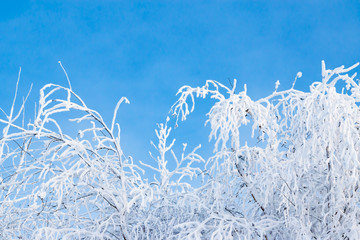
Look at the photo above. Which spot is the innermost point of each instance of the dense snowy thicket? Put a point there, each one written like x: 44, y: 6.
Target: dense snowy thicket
x: 298, y: 178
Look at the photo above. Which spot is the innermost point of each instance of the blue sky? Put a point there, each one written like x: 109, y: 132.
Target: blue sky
x: 147, y: 50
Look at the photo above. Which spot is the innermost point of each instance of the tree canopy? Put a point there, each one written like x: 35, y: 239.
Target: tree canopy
x: 297, y: 178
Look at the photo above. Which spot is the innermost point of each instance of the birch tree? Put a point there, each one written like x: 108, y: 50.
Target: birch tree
x: 299, y: 179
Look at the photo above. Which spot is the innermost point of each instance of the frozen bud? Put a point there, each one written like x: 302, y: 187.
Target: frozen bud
x: 277, y: 84
x: 42, y: 195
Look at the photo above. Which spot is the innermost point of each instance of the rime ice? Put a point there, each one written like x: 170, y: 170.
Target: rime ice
x: 298, y: 178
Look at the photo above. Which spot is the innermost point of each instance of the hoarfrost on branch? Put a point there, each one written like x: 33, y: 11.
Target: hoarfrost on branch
x: 297, y: 177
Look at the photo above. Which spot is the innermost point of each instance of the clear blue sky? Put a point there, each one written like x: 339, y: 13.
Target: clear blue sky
x: 146, y: 50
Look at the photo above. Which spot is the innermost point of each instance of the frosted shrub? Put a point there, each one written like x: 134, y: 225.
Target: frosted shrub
x: 296, y: 178
x: 59, y: 186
